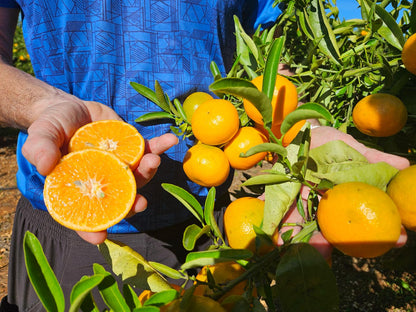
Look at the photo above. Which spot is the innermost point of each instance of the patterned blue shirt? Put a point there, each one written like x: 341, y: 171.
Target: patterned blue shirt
x: 95, y: 48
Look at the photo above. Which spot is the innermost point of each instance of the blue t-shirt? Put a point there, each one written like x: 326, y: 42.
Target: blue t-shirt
x: 94, y: 49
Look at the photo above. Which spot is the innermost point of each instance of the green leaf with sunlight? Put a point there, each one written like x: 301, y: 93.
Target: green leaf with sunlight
x: 131, y: 267
x: 209, y: 257
x: 154, y: 116
x: 41, y: 275
x: 191, y: 235
x: 82, y: 290
x: 145, y: 91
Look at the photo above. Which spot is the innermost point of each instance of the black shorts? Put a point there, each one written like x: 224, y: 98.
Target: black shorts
x: 71, y: 257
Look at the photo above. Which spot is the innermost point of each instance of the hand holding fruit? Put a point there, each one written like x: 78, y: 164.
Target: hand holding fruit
x: 49, y: 134
x: 320, y: 136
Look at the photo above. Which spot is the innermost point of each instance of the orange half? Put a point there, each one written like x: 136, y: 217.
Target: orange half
x: 115, y: 136
x: 89, y: 190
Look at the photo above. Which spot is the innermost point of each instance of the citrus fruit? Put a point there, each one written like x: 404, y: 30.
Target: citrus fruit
x: 206, y: 165
x: 408, y: 54
x: 223, y: 273
x: 284, y: 101
x: 89, y: 190
x: 215, y: 122
x: 359, y: 219
x: 239, y: 218
x: 245, y: 138
x: 292, y: 133
x: 402, y: 190
x: 196, y: 303
x: 115, y: 136
x: 193, y: 101
x: 380, y: 115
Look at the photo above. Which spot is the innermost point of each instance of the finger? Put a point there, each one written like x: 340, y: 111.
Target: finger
x: 161, y: 144
x: 147, y: 169
x: 402, y: 238
x: 321, y: 244
x: 94, y: 238
x: 140, y: 204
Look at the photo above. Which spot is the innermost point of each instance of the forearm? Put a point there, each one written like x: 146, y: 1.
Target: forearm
x: 23, y: 97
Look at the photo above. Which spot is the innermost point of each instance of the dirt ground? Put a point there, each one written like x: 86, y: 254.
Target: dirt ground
x: 387, y: 283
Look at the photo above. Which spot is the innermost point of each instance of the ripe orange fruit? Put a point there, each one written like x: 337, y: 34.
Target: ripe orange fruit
x: 380, y: 115
x: 403, y: 192
x: 206, y: 165
x: 215, y: 122
x: 197, y: 303
x: 115, y: 136
x: 193, y: 101
x: 284, y: 101
x: 239, y: 218
x: 246, y: 138
x: 408, y: 54
x: 359, y: 219
x: 89, y: 190
x: 223, y: 273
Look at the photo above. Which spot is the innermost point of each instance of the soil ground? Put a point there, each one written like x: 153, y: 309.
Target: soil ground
x: 387, y: 283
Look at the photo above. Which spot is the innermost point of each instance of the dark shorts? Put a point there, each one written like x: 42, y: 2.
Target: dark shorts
x: 71, y: 257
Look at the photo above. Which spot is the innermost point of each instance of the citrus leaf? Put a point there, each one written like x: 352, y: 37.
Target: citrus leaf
x: 209, y: 213
x: 272, y: 65
x: 378, y: 175
x: 131, y: 267
x: 154, y: 116
x: 82, y: 289
x: 41, y: 275
x: 147, y: 309
x: 305, y: 282
x: 266, y: 147
x: 131, y: 297
x: 310, y: 111
x: 187, y: 199
x: 392, y: 32
x: 215, y: 71
x: 322, y: 31
x: 179, y: 109
x: 266, y: 179
x: 191, y: 235
x: 245, y: 89
x: 145, y: 91
x: 162, y: 298
x: 166, y: 270
x: 304, y: 24
x: 109, y: 290
x: 244, y: 44
x: 161, y: 98
x: 209, y: 257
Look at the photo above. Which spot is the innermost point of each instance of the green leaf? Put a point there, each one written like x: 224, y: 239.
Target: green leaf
x: 322, y: 31
x: 187, y: 199
x: 378, y: 175
x: 161, y: 98
x: 215, y: 70
x: 392, y: 32
x: 272, y: 65
x: 209, y: 213
x: 154, y: 116
x: 209, y: 257
x: 41, y: 275
x: 245, y: 89
x: 147, y: 309
x: 162, y: 298
x: 304, y: 24
x: 166, y: 270
x: 131, y: 297
x: 191, y: 235
x: 179, y: 109
x: 266, y: 147
x: 244, y: 44
x: 145, y: 91
x: 131, y: 267
x: 305, y: 111
x: 109, y: 290
x: 82, y: 289
x: 305, y: 282
x: 266, y: 179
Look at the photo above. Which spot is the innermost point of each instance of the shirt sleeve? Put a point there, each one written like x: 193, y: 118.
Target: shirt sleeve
x: 266, y: 13
x: 8, y: 4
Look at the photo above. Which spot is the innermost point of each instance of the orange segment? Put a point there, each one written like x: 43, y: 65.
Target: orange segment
x: 89, y: 190
x: 115, y: 136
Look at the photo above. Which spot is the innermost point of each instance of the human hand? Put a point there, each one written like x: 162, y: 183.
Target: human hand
x: 49, y: 134
x: 320, y: 136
